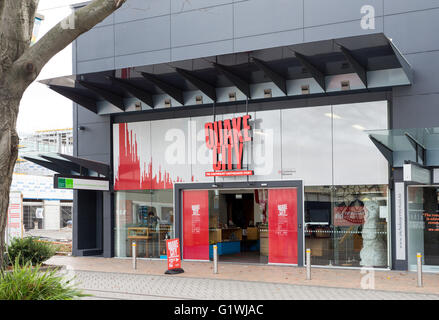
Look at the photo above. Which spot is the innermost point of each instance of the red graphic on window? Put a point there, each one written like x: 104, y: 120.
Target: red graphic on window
x: 196, y: 225
x: 130, y: 174
x: 173, y: 253
x: 282, y: 226
x: 349, y: 215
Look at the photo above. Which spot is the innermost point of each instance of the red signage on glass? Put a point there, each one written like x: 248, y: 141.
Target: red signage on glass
x: 282, y: 221
x: 173, y: 253
x: 226, y: 140
x: 196, y: 224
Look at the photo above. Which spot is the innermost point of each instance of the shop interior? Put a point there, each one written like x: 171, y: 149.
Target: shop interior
x: 238, y: 225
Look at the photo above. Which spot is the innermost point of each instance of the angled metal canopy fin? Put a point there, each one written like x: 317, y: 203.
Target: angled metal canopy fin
x: 111, y: 97
x: 402, y: 61
x: 202, y: 85
x: 171, y: 90
x: 385, y: 151
x: 278, y: 79
x: 315, y: 72
x: 360, y: 70
x: 80, y: 99
x: 137, y: 92
x: 63, y: 163
x: 49, y: 165
x: 419, y: 148
x: 96, y: 166
x: 240, y: 83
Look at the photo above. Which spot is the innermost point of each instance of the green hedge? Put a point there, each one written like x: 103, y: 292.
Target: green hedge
x: 28, y: 250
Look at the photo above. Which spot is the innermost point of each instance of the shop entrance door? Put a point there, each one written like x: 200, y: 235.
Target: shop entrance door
x: 282, y: 226
x: 195, y: 225
x: 423, y: 226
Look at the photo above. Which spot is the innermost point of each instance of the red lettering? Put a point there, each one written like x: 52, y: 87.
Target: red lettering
x: 246, y: 127
x: 216, y: 163
x: 236, y: 123
x: 210, y: 138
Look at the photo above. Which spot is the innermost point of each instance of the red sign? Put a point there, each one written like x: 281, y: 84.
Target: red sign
x: 282, y: 221
x: 196, y: 224
x: 226, y: 140
x: 229, y: 173
x: 173, y: 253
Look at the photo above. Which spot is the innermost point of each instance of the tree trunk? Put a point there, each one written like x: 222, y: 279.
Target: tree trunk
x: 20, y: 65
x: 8, y: 155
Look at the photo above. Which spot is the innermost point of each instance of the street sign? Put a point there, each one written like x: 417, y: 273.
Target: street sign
x: 81, y: 183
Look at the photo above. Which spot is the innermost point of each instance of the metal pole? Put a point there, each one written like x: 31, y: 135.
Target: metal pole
x: 215, y: 259
x: 308, y: 264
x: 419, y: 262
x: 134, y: 255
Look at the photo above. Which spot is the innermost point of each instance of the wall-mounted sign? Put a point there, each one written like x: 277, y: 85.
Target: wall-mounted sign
x: 417, y: 174
x: 400, y: 220
x: 15, y: 217
x: 81, y: 183
x: 226, y: 140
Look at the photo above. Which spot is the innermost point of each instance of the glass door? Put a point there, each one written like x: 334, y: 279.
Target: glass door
x: 282, y: 226
x: 423, y: 225
x: 196, y: 225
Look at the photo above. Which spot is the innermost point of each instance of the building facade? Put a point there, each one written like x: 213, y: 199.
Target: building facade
x: 266, y: 127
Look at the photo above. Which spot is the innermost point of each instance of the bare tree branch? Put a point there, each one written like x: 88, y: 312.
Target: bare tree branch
x: 61, y: 35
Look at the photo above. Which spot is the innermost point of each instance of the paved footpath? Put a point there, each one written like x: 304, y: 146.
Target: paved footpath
x: 123, y: 286
x: 112, y: 278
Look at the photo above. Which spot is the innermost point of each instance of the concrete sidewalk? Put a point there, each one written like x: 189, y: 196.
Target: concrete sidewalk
x: 396, y: 281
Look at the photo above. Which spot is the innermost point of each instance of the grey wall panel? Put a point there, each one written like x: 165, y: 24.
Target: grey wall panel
x: 426, y: 74
x: 148, y: 35
x: 185, y: 5
x: 340, y: 30
x: 85, y: 116
x: 414, y: 31
x: 260, y: 16
x: 419, y: 111
x: 268, y: 40
x: 144, y: 58
x: 95, y: 65
x: 202, y: 50
x: 212, y: 24
x: 95, y: 139
x: 141, y: 9
x: 96, y: 44
x: 400, y: 6
x: 321, y: 12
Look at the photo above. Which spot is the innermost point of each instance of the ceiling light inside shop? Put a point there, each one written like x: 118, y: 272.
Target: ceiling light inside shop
x: 358, y: 127
x: 332, y: 115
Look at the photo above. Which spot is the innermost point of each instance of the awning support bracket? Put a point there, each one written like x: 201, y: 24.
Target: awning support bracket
x: 169, y: 89
x: 419, y: 148
x: 385, y: 151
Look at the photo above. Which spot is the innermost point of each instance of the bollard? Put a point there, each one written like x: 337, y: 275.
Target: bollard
x: 419, y: 262
x: 134, y: 255
x: 215, y: 259
x: 308, y: 264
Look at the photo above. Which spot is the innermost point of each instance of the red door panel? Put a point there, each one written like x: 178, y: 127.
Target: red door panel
x: 196, y: 225
x: 282, y: 226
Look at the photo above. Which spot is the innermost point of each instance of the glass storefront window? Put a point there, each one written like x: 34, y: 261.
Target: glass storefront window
x: 423, y: 225
x: 347, y: 225
x: 145, y: 217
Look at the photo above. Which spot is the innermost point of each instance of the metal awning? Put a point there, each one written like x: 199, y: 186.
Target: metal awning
x: 354, y: 64
x: 69, y: 165
x: 420, y: 145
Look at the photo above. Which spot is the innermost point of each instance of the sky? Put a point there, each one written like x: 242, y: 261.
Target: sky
x: 40, y: 107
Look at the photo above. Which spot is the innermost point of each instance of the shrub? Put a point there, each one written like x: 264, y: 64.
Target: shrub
x: 30, y: 250
x: 29, y: 283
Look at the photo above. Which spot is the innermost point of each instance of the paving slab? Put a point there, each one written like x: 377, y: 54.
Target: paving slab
x: 378, y: 280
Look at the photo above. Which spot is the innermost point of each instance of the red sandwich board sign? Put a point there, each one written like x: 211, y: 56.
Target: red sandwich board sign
x: 173, y: 255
